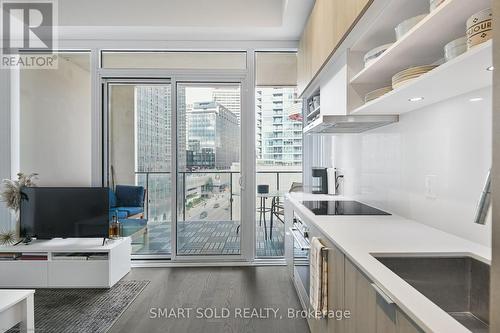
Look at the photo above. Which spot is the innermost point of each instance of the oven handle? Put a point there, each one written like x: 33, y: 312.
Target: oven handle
x: 303, y: 243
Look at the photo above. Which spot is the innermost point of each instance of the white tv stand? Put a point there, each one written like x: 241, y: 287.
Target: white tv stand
x: 65, y: 263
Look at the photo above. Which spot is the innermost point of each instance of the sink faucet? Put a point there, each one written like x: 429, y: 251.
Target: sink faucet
x: 484, y: 202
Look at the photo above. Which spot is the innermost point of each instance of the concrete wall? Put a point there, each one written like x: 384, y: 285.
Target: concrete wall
x: 430, y: 167
x: 121, y: 139
x: 55, y: 124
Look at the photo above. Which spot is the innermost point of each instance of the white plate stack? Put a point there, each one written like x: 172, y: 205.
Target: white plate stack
x: 377, y: 93
x: 410, y: 74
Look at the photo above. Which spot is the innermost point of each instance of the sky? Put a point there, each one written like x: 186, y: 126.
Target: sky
x: 198, y: 94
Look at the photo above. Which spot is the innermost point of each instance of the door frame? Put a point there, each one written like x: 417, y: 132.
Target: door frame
x: 247, y: 138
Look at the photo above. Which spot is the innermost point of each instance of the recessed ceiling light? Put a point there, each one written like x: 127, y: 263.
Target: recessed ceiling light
x: 415, y: 99
x: 490, y: 68
x: 476, y: 99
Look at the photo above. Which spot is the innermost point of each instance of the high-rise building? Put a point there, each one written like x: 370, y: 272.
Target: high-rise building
x: 153, y: 155
x: 212, y: 136
x: 278, y: 136
x: 153, y: 125
x: 230, y: 98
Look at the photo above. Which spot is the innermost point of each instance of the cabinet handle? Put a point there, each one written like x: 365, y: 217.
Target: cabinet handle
x: 384, y: 296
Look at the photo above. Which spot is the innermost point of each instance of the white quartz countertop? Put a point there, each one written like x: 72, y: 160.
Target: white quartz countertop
x: 359, y: 237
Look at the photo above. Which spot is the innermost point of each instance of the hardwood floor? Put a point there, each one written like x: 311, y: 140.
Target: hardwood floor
x: 208, y: 289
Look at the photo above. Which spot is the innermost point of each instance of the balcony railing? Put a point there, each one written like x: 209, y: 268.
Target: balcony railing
x: 197, y: 190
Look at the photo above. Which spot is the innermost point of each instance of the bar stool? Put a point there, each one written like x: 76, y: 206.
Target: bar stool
x: 263, y: 194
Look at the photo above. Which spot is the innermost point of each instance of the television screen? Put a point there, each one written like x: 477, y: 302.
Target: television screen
x: 52, y: 212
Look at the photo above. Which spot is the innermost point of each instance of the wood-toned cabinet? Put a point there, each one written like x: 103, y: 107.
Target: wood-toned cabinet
x: 405, y: 324
x: 371, y: 310
x: 360, y: 300
x: 304, y: 59
x: 336, y: 282
x: 329, y: 22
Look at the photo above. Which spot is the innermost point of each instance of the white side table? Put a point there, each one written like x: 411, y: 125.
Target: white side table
x: 16, y: 306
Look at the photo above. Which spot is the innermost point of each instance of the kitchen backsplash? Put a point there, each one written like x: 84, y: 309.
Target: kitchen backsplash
x: 430, y: 167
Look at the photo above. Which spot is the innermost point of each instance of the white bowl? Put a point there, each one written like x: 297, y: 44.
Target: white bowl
x: 373, y: 54
x: 406, y: 25
x: 455, y: 48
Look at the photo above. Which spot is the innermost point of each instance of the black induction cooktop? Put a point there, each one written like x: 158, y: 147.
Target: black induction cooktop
x: 341, y: 208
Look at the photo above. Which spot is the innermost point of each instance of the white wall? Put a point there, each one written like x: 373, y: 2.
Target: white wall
x: 121, y: 141
x: 5, y: 148
x: 447, y: 145
x: 55, y: 124
x: 495, y: 177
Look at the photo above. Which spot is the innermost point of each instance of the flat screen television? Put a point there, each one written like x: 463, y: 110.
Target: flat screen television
x: 65, y: 212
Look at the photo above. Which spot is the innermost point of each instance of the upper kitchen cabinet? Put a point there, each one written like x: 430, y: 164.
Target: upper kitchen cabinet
x: 304, y: 59
x: 387, y: 57
x: 420, y: 52
x: 328, y: 24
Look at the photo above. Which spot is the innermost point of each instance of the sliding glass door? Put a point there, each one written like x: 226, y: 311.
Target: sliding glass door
x: 139, y: 163
x: 208, y: 169
x: 187, y: 164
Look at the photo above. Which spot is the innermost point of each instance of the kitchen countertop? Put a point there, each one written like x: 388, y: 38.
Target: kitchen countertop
x: 361, y: 236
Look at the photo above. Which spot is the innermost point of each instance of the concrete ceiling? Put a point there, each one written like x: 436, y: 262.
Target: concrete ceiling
x: 183, y: 19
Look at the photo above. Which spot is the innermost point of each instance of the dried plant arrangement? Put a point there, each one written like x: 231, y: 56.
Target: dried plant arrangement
x: 11, y: 195
x: 7, y: 237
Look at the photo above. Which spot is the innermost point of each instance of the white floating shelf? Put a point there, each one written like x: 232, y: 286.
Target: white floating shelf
x: 424, y: 43
x: 464, y: 74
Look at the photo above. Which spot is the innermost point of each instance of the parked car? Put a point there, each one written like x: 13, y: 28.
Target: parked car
x: 203, y: 215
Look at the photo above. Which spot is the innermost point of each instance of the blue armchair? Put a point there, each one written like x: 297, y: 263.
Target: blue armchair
x: 127, y: 202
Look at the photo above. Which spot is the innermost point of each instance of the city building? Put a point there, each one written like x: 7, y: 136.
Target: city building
x: 152, y: 135
x: 278, y: 135
x: 152, y: 113
x: 230, y: 98
x: 212, y: 136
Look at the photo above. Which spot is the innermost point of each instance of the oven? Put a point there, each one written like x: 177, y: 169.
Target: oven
x: 301, y: 246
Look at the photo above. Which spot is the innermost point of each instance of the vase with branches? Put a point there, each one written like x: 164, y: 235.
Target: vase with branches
x: 11, y: 195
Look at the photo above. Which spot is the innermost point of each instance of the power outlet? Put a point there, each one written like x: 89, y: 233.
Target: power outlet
x: 430, y: 187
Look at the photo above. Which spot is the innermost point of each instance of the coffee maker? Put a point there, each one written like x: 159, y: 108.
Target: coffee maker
x: 319, y: 180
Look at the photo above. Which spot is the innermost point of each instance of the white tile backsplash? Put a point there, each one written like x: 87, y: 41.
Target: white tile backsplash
x: 429, y: 167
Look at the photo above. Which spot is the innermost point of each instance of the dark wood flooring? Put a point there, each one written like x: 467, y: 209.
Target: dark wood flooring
x: 207, y: 289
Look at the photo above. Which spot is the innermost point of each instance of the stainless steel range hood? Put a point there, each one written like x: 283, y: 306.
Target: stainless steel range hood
x: 348, y: 124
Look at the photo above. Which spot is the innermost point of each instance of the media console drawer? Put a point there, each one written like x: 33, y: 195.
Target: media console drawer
x: 23, y: 274
x: 88, y: 273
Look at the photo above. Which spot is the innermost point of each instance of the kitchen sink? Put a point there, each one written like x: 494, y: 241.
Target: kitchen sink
x: 458, y: 285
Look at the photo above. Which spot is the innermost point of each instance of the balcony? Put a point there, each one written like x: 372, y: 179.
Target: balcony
x: 208, y: 213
